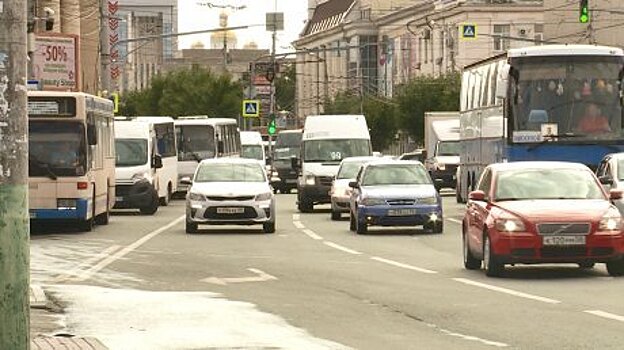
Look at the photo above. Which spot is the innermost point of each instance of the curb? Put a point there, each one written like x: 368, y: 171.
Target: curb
x: 52, y: 343
x: 38, y: 299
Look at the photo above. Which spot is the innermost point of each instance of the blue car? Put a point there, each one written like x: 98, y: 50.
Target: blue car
x: 395, y: 193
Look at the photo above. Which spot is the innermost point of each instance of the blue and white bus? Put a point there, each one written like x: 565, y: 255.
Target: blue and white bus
x: 552, y: 102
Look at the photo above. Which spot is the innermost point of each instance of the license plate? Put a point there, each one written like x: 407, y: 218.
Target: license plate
x: 401, y: 212
x: 564, y: 240
x: 230, y: 210
x: 118, y: 199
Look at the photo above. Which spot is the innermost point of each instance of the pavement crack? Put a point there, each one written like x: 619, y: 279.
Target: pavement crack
x: 383, y: 306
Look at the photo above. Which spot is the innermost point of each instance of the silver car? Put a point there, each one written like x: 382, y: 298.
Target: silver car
x: 340, y: 191
x: 230, y: 191
x: 610, y: 172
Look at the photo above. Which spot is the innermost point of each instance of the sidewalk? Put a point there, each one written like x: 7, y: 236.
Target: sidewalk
x: 45, y: 318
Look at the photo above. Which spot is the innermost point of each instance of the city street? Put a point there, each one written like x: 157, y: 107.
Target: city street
x: 143, y: 283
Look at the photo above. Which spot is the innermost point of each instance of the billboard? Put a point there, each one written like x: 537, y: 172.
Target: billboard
x: 55, y: 62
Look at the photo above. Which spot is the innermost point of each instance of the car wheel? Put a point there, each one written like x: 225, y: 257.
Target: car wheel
x: 164, y: 201
x: 351, y: 222
x: 360, y: 227
x: 335, y: 215
x: 586, y: 265
x: 153, y: 207
x: 470, y: 262
x: 616, y: 267
x: 191, y: 227
x: 434, y: 227
x: 493, y: 268
x: 269, y: 227
x: 305, y: 206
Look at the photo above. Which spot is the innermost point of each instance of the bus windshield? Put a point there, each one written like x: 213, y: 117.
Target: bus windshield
x: 195, y: 142
x: 571, y: 98
x: 56, y: 149
x: 130, y: 152
x: 330, y: 150
x: 288, y: 139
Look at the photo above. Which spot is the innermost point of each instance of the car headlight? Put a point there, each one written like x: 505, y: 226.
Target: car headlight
x: 611, y: 221
x: 428, y: 200
x: 373, y: 201
x: 144, y: 176
x: 507, y: 222
x: 263, y: 197
x: 310, y: 180
x: 197, y: 197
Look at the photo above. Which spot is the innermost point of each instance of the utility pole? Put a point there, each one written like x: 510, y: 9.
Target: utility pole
x: 14, y: 230
x: 105, y: 59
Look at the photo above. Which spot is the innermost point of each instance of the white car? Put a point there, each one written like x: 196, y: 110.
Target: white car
x: 230, y: 191
x: 340, y: 191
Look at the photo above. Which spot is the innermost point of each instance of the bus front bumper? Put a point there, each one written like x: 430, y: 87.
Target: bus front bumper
x: 66, y: 209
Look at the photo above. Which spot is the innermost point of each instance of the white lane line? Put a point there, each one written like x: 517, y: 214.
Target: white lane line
x: 85, y: 264
x: 402, y: 265
x: 473, y: 338
x: 605, y: 315
x: 312, y: 234
x: 344, y: 249
x: 457, y: 221
x: 296, y: 217
x: 85, y: 275
x: 507, y: 291
x: 299, y: 225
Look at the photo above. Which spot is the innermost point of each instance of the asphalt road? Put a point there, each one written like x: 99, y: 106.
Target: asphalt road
x: 390, y: 289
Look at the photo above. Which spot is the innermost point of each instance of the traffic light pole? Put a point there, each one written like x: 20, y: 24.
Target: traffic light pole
x: 14, y: 231
x: 272, y: 101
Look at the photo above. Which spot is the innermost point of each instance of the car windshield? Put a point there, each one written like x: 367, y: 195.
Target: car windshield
x: 286, y: 153
x: 288, y: 139
x: 335, y: 150
x: 349, y: 170
x: 252, y: 152
x: 195, y: 142
x: 448, y: 148
x: 385, y: 174
x: 56, y: 149
x: 230, y: 173
x: 130, y: 152
x: 529, y: 184
x: 412, y: 156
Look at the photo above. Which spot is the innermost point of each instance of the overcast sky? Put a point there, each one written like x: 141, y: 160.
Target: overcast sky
x: 195, y: 16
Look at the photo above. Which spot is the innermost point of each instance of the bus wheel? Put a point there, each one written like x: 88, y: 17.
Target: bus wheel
x: 86, y: 225
x: 152, y: 207
x: 104, y: 218
x: 164, y: 201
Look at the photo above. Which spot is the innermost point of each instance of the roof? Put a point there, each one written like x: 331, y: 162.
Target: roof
x: 359, y: 159
x: 232, y: 160
x: 388, y: 161
x: 327, y: 15
x: 532, y: 165
x: 560, y: 50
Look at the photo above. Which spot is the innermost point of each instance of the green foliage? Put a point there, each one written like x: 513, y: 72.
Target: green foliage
x: 425, y: 94
x: 285, y: 89
x: 194, y: 91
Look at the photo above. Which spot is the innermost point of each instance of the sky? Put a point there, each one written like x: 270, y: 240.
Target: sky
x: 198, y: 15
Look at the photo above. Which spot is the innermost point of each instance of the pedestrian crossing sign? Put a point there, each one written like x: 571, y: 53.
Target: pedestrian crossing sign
x: 468, y: 31
x: 251, y: 108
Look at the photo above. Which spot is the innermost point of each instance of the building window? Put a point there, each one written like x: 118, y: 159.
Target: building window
x: 539, y: 34
x: 365, y: 14
x: 501, y: 37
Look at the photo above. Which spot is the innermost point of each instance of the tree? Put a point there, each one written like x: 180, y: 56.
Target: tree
x: 194, y: 91
x: 285, y: 89
x: 424, y: 94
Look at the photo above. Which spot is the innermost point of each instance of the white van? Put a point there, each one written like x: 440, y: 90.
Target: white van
x: 252, y: 146
x: 326, y: 141
x: 146, y: 162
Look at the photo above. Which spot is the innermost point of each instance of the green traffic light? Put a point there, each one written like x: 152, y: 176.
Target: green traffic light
x: 272, y: 127
x: 584, y: 11
x: 584, y: 18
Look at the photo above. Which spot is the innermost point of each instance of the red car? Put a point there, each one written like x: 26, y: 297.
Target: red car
x: 542, y: 212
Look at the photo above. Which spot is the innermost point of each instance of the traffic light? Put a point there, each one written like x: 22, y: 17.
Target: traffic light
x: 272, y: 126
x: 114, y: 97
x: 584, y: 11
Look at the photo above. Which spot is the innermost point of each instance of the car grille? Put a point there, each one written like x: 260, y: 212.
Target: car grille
x: 325, y: 180
x: 564, y: 229
x: 211, y: 213
x: 122, y: 190
x: 224, y: 198
x: 400, y: 201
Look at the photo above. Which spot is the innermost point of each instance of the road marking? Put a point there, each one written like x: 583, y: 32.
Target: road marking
x: 312, y: 234
x: 344, y: 249
x: 402, y: 265
x: 298, y: 224
x: 85, y: 275
x: 473, y: 338
x: 457, y: 221
x: 605, y: 315
x: 85, y: 264
x: 261, y: 277
x: 507, y: 291
x: 296, y: 217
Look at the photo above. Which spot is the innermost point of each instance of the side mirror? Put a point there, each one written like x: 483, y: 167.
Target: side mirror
x: 186, y: 181
x: 502, y: 82
x: 606, y: 180
x: 615, y: 195
x: 477, y: 196
x: 157, y: 161
x: 354, y: 184
x: 92, y: 138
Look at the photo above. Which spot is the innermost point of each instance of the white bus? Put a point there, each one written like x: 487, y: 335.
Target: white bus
x: 199, y: 138
x: 146, y: 160
x: 71, y: 157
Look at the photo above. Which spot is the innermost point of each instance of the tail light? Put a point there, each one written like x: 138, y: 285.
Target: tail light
x: 82, y: 185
